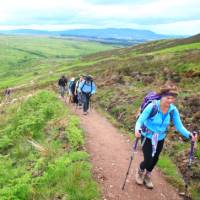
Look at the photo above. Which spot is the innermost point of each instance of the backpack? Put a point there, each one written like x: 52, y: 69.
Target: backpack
x: 149, y: 98
x: 72, y: 86
x: 91, y: 80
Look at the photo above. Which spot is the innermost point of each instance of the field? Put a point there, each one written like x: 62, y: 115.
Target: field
x: 26, y: 59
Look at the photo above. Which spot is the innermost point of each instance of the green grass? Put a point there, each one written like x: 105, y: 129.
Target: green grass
x: 58, y: 168
x: 170, y: 171
x: 180, y: 48
x: 24, y: 58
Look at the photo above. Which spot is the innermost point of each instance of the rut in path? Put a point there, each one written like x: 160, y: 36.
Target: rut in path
x: 110, y: 152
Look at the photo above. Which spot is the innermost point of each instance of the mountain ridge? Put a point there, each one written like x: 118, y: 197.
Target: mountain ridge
x: 125, y: 36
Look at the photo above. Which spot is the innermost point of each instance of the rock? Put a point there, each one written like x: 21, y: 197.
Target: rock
x: 148, y: 80
x: 134, y: 74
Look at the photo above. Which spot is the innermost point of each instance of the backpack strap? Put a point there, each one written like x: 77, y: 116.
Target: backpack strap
x: 154, y: 109
x: 83, y: 86
x: 91, y: 86
x: 153, y: 113
x: 171, y: 115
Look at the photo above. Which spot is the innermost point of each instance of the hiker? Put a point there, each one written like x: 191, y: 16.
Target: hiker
x: 78, y: 93
x: 72, y: 88
x: 152, y: 130
x: 62, y: 82
x: 87, y: 88
x: 7, y: 94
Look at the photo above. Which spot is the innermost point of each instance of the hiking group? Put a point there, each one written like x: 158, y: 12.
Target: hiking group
x: 156, y: 113
x: 80, y: 90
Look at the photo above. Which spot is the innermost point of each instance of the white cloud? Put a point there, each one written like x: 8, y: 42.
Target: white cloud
x: 191, y: 27
x: 159, y: 8
x: 51, y: 27
x: 146, y: 13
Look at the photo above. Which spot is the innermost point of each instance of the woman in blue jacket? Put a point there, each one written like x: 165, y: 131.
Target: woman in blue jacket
x: 152, y: 131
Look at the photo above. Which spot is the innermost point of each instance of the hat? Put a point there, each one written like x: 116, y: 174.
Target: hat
x: 88, y: 78
x: 169, y: 89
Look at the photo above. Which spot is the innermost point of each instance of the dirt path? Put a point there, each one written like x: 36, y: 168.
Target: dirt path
x: 110, y: 153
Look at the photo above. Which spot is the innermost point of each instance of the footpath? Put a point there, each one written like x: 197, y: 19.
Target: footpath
x: 110, y: 153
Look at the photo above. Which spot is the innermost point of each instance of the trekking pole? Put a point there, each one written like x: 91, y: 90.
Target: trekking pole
x: 131, y: 159
x: 188, y: 175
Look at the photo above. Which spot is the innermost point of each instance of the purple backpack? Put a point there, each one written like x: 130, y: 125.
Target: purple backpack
x: 149, y: 98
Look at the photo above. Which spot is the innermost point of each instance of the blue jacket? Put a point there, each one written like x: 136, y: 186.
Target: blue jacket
x: 160, y: 122
x: 87, y: 87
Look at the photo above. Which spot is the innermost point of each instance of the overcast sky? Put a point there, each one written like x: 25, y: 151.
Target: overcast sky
x: 180, y: 17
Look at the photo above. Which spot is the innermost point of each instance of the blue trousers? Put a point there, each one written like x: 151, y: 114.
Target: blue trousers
x: 80, y: 98
x: 86, y: 101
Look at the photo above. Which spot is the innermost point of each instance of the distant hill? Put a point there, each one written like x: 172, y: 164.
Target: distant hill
x: 124, y: 36
x: 192, y: 39
x: 129, y: 34
x: 25, y: 32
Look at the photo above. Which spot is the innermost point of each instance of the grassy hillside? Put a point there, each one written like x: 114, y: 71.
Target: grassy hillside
x: 24, y: 59
x: 125, y: 75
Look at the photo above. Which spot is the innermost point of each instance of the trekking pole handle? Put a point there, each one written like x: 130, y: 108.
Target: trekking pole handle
x: 135, y: 144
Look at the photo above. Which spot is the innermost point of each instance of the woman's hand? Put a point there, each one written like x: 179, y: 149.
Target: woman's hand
x: 194, y: 137
x: 137, y: 134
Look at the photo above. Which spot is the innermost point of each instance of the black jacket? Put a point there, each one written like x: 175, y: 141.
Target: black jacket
x: 62, y: 82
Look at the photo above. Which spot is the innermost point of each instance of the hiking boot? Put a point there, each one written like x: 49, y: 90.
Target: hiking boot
x: 147, y: 181
x: 139, y: 177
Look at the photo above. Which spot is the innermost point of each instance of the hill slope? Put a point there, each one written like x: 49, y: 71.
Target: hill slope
x: 125, y: 75
x: 24, y: 58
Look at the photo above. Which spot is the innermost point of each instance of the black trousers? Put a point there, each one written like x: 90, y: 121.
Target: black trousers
x: 149, y: 162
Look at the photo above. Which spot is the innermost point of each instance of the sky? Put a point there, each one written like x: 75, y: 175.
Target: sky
x: 177, y: 17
